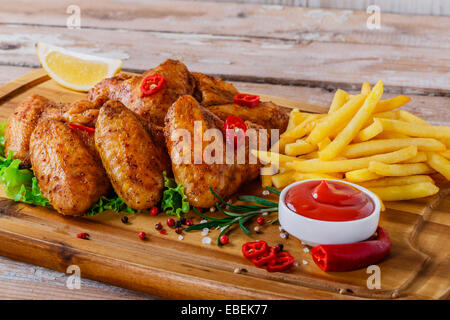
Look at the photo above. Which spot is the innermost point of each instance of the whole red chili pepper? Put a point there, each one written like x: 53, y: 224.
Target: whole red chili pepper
x: 80, y: 127
x: 265, y: 258
x: 246, y: 100
x: 235, y: 129
x: 283, y: 261
x: 254, y: 249
x: 352, y: 256
x: 152, y: 84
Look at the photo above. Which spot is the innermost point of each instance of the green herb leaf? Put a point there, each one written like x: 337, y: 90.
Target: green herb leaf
x: 274, y: 191
x: 114, y: 203
x: 174, y: 201
x: 258, y: 200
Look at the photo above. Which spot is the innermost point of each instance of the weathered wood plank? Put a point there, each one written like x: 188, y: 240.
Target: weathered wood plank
x: 329, y: 65
x: 231, y: 19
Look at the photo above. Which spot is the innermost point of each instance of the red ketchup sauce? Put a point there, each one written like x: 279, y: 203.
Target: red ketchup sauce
x: 329, y: 201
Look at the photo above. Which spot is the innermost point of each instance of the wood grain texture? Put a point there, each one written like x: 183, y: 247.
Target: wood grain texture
x: 167, y: 267
x: 245, y: 43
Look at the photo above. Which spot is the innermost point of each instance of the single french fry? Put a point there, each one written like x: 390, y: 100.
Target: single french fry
x: 420, y: 157
x: 371, y: 131
x: 361, y: 175
x: 266, y: 181
x: 314, y: 175
x: 333, y: 120
x: 409, y: 117
x: 396, y: 181
x: 322, y: 144
x: 340, y: 97
x: 391, y: 135
x: 446, y: 154
x: 391, y: 104
x: 439, y: 163
x: 365, y: 88
x: 368, y: 148
x: 416, y: 130
x: 405, y: 192
x: 299, y: 147
x: 272, y: 157
x: 281, y: 180
x: 396, y: 170
x: 353, y: 127
x: 317, y: 165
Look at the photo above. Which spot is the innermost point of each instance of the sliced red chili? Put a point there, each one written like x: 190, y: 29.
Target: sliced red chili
x: 352, y: 256
x: 235, y: 129
x: 80, y: 127
x: 265, y: 258
x: 252, y: 250
x: 152, y: 84
x: 246, y: 100
x: 282, y: 262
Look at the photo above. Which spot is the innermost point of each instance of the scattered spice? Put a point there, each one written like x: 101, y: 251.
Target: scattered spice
x: 154, y: 211
x: 179, y: 230
x: 279, y: 246
x: 257, y: 229
x: 158, y: 226
x: 183, y: 221
x: 170, y: 222
x: 260, y: 220
x: 124, y: 219
x: 142, y: 235
x: 178, y: 224
x: 224, y: 239
x: 180, y: 237
x: 163, y: 231
x: 189, y: 222
x: 82, y: 235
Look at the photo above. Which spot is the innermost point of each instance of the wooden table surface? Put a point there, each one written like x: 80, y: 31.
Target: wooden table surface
x: 295, y: 53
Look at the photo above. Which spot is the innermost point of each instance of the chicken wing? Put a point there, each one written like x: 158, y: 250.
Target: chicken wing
x: 67, y: 173
x: 266, y: 114
x: 133, y: 162
x: 224, y: 178
x: 126, y: 89
x: 213, y: 91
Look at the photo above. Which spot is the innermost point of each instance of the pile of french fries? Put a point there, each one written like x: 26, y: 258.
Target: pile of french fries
x: 365, y: 140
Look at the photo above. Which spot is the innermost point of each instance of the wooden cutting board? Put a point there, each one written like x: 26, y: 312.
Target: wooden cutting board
x: 417, y: 267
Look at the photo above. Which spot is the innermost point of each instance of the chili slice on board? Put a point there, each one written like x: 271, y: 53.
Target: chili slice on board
x: 246, y: 100
x: 80, y: 127
x: 152, y: 84
x: 283, y: 261
x: 352, y: 256
x: 265, y: 258
x: 235, y: 129
x: 252, y: 250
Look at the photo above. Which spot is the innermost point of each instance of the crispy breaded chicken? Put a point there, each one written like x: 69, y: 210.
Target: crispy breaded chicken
x: 224, y: 178
x: 266, y: 114
x: 133, y: 161
x: 213, y: 91
x: 67, y: 173
x: 127, y: 89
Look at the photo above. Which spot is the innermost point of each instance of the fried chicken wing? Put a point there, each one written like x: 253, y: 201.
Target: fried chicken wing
x: 67, y: 173
x: 225, y: 178
x: 266, y: 114
x: 133, y: 162
x: 213, y: 91
x: 126, y: 89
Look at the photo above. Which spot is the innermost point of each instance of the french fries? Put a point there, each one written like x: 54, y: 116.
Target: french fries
x: 365, y: 140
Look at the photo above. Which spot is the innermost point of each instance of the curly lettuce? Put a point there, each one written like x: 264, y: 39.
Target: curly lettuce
x: 114, y: 203
x: 174, y: 201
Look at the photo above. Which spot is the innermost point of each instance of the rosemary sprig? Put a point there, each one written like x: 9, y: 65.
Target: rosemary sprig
x: 239, y: 214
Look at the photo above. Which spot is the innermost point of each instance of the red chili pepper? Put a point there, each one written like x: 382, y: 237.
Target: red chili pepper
x: 246, y: 100
x: 283, y: 261
x: 235, y: 129
x: 154, y: 211
x: 352, y: 256
x: 254, y: 249
x: 80, y: 127
x: 152, y: 84
x: 265, y: 258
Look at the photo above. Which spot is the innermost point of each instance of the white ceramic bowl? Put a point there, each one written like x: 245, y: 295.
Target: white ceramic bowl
x: 314, y: 232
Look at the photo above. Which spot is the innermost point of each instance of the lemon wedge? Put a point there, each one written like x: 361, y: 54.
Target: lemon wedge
x: 75, y: 70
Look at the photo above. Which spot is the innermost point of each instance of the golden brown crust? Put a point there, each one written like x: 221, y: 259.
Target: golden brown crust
x: 132, y: 160
x: 126, y: 89
x: 224, y: 178
x: 67, y: 173
x: 212, y: 91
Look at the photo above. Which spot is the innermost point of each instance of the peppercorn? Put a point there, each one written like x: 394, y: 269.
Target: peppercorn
x: 142, y: 235
x: 163, y: 231
x: 170, y: 222
x: 158, y: 226
x: 279, y: 247
x: 124, y: 219
x: 82, y: 235
x: 224, y: 239
x: 183, y: 221
x: 179, y: 230
x: 178, y: 224
x: 189, y: 222
x: 154, y: 211
x: 257, y: 229
x: 260, y: 220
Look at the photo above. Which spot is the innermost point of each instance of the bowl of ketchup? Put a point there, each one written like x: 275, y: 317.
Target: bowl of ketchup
x: 328, y: 211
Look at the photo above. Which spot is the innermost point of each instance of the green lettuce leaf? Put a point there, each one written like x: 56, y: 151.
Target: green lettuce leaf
x: 174, y: 200
x: 115, y: 204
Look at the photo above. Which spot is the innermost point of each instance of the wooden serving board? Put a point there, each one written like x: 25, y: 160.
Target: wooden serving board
x: 417, y: 267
